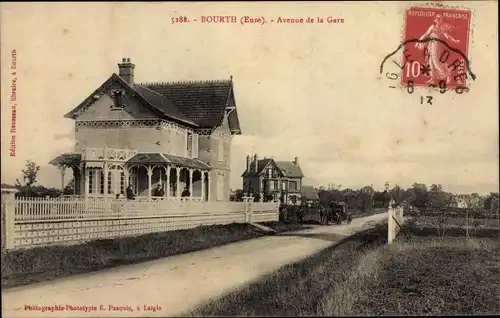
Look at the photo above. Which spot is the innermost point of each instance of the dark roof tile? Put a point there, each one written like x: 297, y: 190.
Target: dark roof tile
x: 204, y: 102
x: 163, y: 104
x: 261, y: 164
x: 290, y: 169
x: 68, y: 159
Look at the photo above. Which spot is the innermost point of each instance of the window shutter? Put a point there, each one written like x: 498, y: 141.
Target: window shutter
x: 186, y: 143
x: 195, y: 145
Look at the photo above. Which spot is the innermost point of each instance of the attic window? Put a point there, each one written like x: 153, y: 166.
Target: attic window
x: 117, y: 96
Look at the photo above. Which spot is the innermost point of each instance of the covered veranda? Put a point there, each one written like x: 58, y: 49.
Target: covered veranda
x: 97, y: 173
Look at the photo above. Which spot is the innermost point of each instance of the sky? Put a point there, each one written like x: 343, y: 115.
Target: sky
x: 308, y: 90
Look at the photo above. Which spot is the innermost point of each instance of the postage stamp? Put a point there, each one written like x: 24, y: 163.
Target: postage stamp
x: 436, y: 47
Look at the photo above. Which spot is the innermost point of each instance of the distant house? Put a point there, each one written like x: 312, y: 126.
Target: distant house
x: 271, y: 179
x: 309, y: 194
x: 457, y: 202
x: 6, y: 188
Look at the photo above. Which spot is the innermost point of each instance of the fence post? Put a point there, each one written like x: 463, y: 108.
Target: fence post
x: 390, y: 226
x: 8, y: 214
x: 277, y: 210
x: 245, y: 199
x: 250, y: 209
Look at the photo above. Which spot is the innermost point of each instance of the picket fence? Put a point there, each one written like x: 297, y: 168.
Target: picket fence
x: 37, y: 222
x: 396, y: 219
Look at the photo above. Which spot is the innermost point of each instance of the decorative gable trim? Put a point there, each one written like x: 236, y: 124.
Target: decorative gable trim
x: 108, y: 85
x: 130, y: 123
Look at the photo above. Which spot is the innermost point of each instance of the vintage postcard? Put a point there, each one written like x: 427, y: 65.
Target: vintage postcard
x: 166, y: 159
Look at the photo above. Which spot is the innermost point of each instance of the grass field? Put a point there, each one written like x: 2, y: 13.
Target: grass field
x: 433, y: 276
x: 22, y: 267
x: 425, y: 275
x: 457, y: 222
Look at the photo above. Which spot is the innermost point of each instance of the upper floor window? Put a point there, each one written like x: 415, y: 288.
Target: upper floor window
x: 220, y: 152
x: 270, y: 172
x: 273, y: 185
x: 189, y: 145
x: 192, y: 145
x: 292, y: 185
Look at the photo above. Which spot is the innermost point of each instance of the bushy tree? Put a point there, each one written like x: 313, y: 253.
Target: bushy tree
x: 397, y: 193
x: 491, y: 202
x: 437, y: 198
x: 238, y: 195
x: 30, y: 173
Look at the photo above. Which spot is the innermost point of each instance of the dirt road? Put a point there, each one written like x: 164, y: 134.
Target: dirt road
x: 173, y: 285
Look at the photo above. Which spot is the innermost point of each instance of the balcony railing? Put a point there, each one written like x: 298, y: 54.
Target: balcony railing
x: 116, y: 154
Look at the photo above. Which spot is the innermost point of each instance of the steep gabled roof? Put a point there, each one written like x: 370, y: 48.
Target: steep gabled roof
x: 204, y: 102
x: 199, y: 104
x: 290, y: 169
x: 287, y: 168
x: 261, y: 165
x: 157, y: 103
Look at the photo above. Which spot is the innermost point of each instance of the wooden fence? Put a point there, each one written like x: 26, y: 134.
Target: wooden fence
x: 31, y: 222
x: 396, y: 219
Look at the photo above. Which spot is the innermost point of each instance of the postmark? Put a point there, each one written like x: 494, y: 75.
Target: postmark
x: 437, y: 47
x: 433, y: 52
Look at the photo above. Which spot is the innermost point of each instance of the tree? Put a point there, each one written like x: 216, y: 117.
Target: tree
x: 378, y: 199
x: 70, y: 188
x: 421, y: 195
x: 397, y: 193
x: 437, y: 198
x: 491, y: 202
x: 365, y: 196
x: 410, y: 196
x: 327, y: 196
x: 30, y: 173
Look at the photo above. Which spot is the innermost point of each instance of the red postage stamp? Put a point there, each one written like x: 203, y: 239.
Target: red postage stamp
x: 436, y: 47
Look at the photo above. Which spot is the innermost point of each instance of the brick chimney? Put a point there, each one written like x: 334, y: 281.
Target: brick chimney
x: 126, y: 70
x: 248, y: 163
x: 256, y: 163
x: 296, y: 161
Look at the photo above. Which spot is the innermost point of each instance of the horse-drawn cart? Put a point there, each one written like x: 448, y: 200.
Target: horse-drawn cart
x: 337, y: 214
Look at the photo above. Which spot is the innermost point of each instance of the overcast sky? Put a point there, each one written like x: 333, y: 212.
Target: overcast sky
x: 310, y: 90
